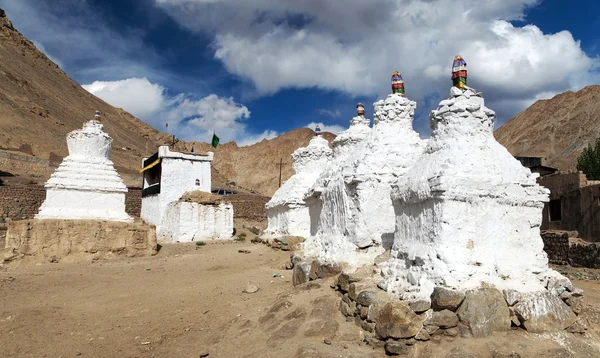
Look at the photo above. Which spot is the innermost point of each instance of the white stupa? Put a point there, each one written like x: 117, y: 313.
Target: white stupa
x: 356, y: 230
x: 327, y: 199
x: 467, y: 212
x: 86, y: 184
x: 287, y: 212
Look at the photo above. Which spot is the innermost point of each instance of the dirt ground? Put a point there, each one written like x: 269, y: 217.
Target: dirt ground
x: 188, y: 301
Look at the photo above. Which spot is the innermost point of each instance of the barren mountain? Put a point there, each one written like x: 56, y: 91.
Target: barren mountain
x: 40, y: 104
x: 557, y: 129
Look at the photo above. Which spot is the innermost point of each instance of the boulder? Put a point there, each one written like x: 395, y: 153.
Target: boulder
x: 301, y: 273
x: 419, y: 306
x: 543, y: 312
x: 328, y: 270
x: 366, y: 298
x: 485, y: 311
x: 344, y: 281
x: 393, y: 348
x: 443, y: 319
x: 397, y: 320
x: 446, y: 299
x: 511, y: 296
x: 576, y: 304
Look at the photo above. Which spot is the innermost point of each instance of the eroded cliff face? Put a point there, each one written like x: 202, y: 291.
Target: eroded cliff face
x: 356, y: 210
x: 467, y: 212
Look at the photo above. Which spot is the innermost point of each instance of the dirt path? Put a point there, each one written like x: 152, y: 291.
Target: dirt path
x: 187, y: 301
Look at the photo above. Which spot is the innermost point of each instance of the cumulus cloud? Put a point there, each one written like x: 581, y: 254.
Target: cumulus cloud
x: 136, y: 95
x: 335, y: 129
x: 188, y: 118
x: 278, y: 44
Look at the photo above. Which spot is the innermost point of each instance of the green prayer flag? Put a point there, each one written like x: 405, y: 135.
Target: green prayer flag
x: 215, y: 141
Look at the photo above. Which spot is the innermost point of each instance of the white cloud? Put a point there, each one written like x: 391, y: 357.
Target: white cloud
x: 331, y: 113
x: 277, y: 44
x: 136, y: 95
x: 188, y: 118
x: 335, y: 129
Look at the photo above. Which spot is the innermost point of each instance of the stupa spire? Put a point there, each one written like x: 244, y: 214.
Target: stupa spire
x: 397, y: 83
x: 97, y: 116
x: 360, y: 109
x: 459, y: 72
x: 317, y: 130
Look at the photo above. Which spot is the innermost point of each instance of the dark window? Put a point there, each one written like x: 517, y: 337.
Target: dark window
x: 555, y: 210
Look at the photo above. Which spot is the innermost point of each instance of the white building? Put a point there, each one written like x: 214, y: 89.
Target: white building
x: 86, y: 184
x: 167, y: 177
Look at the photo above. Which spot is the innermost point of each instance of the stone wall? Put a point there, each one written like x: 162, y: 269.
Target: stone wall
x: 246, y: 206
x: 33, y: 241
x: 22, y: 202
x: 565, y: 248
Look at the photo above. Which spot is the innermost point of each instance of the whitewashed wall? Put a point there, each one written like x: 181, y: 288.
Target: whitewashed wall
x: 188, y: 221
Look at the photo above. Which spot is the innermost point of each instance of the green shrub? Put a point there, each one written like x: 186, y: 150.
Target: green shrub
x: 589, y: 161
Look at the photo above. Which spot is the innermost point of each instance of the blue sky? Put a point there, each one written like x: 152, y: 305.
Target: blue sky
x: 254, y: 69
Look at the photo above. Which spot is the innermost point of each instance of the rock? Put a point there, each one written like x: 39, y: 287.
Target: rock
x: 364, y: 311
x: 576, y: 304
x: 255, y: 230
x: 485, y: 311
x: 423, y: 335
x: 289, y: 266
x: 327, y: 341
x: 397, y: 320
x: 344, y: 281
x: 244, y: 251
x: 443, y: 319
x: 251, y: 287
x: 419, y: 306
x: 395, y: 348
x: 446, y: 299
x: 452, y: 332
x: 357, y: 287
x: 366, y: 298
x: 465, y: 332
x: 301, y: 272
x: 374, y: 311
x: 295, y: 258
x: 543, y: 312
x: 347, y: 309
x: 367, y: 326
x: 511, y: 296
x: 431, y: 329
x: 204, y: 354
x: 577, y: 292
x: 374, y: 342
x: 312, y: 274
x: 577, y: 327
x: 328, y: 270
x: 514, y: 320
x: 557, y: 285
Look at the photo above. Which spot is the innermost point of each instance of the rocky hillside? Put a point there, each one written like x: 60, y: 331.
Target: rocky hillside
x: 40, y: 104
x: 557, y: 129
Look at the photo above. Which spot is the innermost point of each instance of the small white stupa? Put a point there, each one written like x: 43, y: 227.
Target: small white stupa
x: 287, y: 212
x: 354, y: 231
x: 86, y: 184
x: 467, y: 212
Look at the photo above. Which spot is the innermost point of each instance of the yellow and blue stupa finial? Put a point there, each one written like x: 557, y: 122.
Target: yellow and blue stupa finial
x: 397, y: 83
x: 459, y: 72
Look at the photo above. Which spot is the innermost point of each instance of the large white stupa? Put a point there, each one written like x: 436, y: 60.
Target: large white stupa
x: 467, y: 212
x: 86, y: 184
x: 357, y: 221
x: 287, y: 212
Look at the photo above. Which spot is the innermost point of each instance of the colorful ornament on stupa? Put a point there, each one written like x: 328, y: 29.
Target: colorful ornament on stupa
x: 397, y: 83
x: 459, y: 72
x: 97, y: 115
x: 360, y: 109
x: 317, y: 130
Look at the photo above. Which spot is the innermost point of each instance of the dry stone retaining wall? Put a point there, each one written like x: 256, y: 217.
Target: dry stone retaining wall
x: 563, y: 248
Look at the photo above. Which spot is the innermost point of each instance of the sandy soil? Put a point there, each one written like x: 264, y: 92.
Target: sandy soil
x: 188, y: 300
